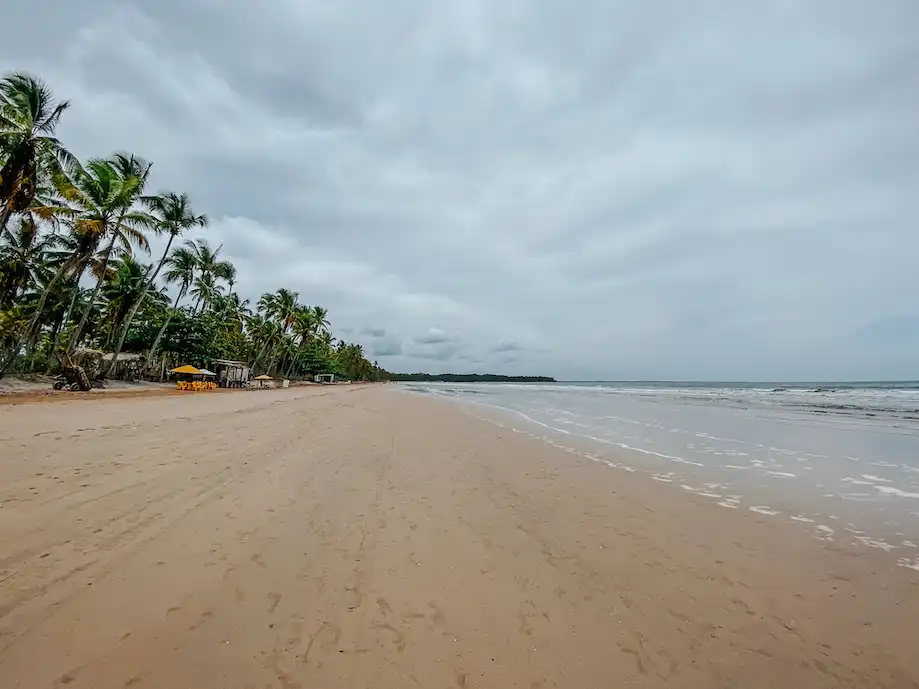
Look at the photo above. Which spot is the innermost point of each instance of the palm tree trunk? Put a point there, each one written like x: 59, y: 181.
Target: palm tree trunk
x: 78, y: 332
x: 159, y: 335
x: 133, y: 312
x: 52, y: 353
x: 13, y: 353
x: 5, y: 217
x: 261, y: 352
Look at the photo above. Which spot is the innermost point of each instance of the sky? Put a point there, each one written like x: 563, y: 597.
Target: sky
x: 595, y: 190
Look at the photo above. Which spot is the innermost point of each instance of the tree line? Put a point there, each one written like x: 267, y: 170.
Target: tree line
x: 76, y: 270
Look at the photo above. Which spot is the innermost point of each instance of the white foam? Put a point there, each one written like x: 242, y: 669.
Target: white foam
x: 710, y: 495
x: 801, y: 518
x: 876, y: 479
x: 871, y: 543
x: 824, y: 528
x: 909, y: 564
x: 909, y: 544
x: 781, y: 474
x: 724, y: 503
x: 763, y: 509
x: 856, y: 481
x: 890, y: 490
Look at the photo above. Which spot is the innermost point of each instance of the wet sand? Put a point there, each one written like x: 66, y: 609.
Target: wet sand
x: 363, y: 537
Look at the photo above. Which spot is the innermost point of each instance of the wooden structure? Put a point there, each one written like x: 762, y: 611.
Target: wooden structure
x: 231, y: 374
x: 127, y: 367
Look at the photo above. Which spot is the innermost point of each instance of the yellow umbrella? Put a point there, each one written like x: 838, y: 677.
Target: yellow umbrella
x: 186, y: 369
x: 263, y: 377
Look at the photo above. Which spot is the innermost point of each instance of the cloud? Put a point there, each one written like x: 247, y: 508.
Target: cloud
x: 386, y: 348
x: 632, y: 190
x: 374, y: 332
x: 432, y: 336
x: 508, y: 347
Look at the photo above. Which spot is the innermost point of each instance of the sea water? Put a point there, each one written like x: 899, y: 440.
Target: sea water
x: 839, y: 459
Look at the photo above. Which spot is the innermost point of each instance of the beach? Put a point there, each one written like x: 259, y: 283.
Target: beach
x: 363, y: 536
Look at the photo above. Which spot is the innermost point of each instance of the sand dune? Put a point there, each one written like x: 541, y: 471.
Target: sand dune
x: 363, y: 537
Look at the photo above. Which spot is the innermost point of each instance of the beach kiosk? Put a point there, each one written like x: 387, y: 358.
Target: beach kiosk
x: 193, y: 379
x: 264, y: 381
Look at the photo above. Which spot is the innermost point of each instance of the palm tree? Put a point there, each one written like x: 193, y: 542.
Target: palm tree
x: 174, y: 215
x: 265, y: 332
x: 282, y: 306
x: 180, y: 268
x: 209, y: 264
x: 24, y: 260
x: 123, y: 290
x: 105, y: 193
x: 205, y: 290
x: 28, y: 118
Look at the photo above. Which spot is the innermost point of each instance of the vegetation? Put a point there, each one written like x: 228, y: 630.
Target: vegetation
x: 74, y: 237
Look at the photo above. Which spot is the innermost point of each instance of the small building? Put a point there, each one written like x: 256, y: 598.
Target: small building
x: 128, y: 366
x: 324, y: 378
x: 231, y: 374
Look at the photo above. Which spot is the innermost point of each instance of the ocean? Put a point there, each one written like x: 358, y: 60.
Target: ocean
x: 838, y: 459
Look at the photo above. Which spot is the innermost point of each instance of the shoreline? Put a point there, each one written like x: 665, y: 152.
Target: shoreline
x: 283, y: 548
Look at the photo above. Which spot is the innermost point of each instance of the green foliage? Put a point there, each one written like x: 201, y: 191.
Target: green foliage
x: 70, y: 236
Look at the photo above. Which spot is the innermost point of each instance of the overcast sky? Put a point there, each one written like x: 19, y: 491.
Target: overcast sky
x: 592, y: 190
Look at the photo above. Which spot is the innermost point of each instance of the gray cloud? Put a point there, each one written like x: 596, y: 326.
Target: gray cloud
x: 508, y: 347
x: 374, y: 332
x: 432, y: 336
x: 386, y: 348
x: 633, y: 190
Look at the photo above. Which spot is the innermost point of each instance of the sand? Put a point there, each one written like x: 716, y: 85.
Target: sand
x: 362, y: 537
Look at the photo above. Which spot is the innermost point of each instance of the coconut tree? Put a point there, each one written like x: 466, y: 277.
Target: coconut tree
x: 180, y: 268
x: 209, y: 266
x: 24, y: 260
x: 173, y: 215
x: 106, y: 193
x: 29, y: 116
x: 281, y: 306
x: 206, y: 290
x: 123, y: 290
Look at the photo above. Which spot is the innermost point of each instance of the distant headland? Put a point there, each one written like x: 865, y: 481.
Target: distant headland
x: 467, y: 378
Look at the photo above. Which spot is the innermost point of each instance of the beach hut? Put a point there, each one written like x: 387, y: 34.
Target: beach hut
x: 264, y: 380
x: 187, y: 370
x: 231, y: 374
x: 191, y: 378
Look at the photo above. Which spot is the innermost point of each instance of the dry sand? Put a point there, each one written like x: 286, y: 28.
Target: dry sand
x: 362, y: 537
